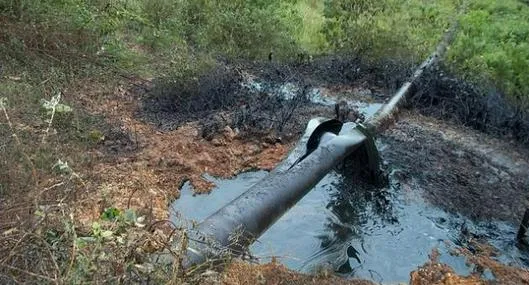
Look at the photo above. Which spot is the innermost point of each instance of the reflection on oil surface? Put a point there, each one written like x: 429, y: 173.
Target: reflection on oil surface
x: 356, y: 229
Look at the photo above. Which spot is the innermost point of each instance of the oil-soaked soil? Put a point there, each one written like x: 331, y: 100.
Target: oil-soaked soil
x: 138, y: 165
x: 218, y: 125
x: 462, y: 185
x: 238, y: 94
x: 357, y: 230
x: 460, y: 170
x: 224, y: 88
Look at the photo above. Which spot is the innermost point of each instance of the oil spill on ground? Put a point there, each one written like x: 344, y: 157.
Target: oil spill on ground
x: 383, y: 234
x: 378, y: 236
x: 447, y: 191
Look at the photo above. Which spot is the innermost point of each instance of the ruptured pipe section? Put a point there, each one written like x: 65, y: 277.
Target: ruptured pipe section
x: 238, y: 224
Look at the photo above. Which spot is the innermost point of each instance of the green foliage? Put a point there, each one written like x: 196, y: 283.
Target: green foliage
x: 493, y: 44
x: 394, y: 28
x: 110, y: 214
x: 122, y: 218
x: 62, y: 167
x: 165, y: 35
x: 309, y: 33
x: 241, y: 28
x: 121, y: 31
x: 101, y: 251
x: 53, y: 107
x: 95, y: 136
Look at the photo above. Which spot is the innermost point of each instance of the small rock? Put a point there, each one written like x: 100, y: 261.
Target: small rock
x: 217, y: 142
x: 229, y: 133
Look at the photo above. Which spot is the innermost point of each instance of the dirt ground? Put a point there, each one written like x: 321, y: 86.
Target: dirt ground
x: 273, y: 273
x: 435, y: 273
x: 146, y: 170
x: 456, y: 166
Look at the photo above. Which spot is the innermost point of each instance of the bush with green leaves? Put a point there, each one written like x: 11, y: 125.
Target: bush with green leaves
x: 250, y: 29
x: 492, y: 43
x: 394, y: 28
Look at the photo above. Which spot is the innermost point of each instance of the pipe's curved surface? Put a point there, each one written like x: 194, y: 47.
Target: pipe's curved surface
x: 238, y: 224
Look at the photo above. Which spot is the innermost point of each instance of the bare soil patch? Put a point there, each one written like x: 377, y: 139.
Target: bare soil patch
x: 146, y: 168
x: 273, y: 273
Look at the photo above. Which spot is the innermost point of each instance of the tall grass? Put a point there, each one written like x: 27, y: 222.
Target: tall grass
x: 309, y: 34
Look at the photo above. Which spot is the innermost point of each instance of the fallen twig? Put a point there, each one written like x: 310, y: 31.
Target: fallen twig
x: 17, y: 140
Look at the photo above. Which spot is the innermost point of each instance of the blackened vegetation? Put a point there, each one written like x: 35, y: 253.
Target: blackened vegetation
x: 221, y: 97
x: 452, y: 177
x: 444, y: 96
x: 217, y: 98
x: 173, y: 102
x: 120, y: 141
x: 386, y: 75
x: 271, y: 113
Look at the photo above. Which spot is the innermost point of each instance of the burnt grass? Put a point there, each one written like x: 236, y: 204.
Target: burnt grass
x: 218, y: 98
x: 444, y: 96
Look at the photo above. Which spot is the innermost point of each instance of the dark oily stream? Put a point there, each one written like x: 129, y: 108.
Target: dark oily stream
x: 235, y: 226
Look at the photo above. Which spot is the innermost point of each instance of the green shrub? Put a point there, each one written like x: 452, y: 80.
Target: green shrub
x: 493, y: 44
x: 394, y: 28
x: 250, y: 29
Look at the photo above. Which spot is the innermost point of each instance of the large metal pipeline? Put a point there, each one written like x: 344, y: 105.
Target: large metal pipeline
x: 239, y: 223
x: 324, y: 144
x: 235, y: 226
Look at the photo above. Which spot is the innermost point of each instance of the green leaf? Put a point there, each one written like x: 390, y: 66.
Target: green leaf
x: 111, y: 214
x: 62, y: 167
x: 96, y: 229
x: 107, y: 234
x: 82, y: 242
x: 62, y: 109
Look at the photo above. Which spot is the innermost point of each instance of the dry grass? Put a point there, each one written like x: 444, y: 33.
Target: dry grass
x: 61, y: 170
